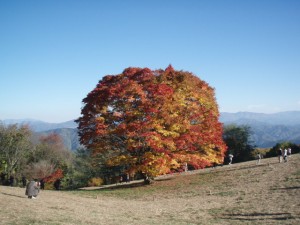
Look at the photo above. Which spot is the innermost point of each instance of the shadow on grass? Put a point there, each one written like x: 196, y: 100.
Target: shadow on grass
x: 125, y: 185
x: 285, y: 188
x: 164, y: 179
x: 18, y: 196
x: 115, y: 186
x: 257, y: 216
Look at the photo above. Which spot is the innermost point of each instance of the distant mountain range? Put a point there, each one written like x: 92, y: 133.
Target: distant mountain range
x: 267, y: 129
x: 67, y: 130
x: 38, y: 126
x: 281, y: 118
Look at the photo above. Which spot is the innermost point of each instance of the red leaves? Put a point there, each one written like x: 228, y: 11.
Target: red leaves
x: 154, y: 115
x: 58, y: 174
x: 169, y: 69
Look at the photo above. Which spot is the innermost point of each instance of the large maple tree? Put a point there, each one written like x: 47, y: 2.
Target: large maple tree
x: 152, y: 122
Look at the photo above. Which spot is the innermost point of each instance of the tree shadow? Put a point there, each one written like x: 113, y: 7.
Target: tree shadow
x: 257, y: 216
x: 116, y: 186
x: 163, y: 179
x: 126, y: 185
x: 285, y: 188
x: 18, y: 196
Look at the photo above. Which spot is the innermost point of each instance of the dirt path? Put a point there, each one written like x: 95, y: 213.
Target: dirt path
x: 244, y: 193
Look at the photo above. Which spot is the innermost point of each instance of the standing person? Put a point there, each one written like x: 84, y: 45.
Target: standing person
x: 258, y: 158
x: 2, y: 177
x: 32, y: 189
x: 285, y: 155
x: 230, y: 156
x: 127, y: 178
x: 42, y: 184
x: 289, y: 152
x: 186, y: 167
x: 11, y: 180
x: 279, y: 153
x: 57, y: 184
x: 24, y: 181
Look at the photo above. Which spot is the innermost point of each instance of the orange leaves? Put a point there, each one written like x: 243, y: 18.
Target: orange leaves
x: 155, y: 120
x: 58, y: 174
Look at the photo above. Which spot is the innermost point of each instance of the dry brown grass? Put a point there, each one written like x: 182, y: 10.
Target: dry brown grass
x: 243, y: 193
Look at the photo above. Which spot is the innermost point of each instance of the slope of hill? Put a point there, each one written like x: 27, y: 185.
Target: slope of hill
x: 243, y: 193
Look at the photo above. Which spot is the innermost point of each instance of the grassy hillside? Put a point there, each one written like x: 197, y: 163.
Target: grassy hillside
x: 243, y: 193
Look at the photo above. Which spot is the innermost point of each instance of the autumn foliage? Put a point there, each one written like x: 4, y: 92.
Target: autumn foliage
x: 58, y: 174
x: 152, y: 121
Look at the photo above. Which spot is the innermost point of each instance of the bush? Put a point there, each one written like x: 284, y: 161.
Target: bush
x: 263, y: 152
x: 49, y: 186
x: 95, y: 181
x: 273, y: 152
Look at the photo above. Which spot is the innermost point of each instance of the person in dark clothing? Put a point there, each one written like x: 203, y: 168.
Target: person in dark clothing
x: 42, y: 184
x: 11, y: 180
x: 57, y: 184
x: 279, y: 154
x: 2, y: 177
x: 24, y: 181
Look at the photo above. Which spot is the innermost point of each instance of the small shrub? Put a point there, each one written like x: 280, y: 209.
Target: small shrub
x: 263, y: 152
x: 49, y: 186
x: 95, y: 181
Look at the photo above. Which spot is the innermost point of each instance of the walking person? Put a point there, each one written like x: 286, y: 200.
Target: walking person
x: 24, y: 181
x: 258, y: 156
x: 42, y: 184
x: 279, y: 153
x: 57, y: 184
x: 11, y: 180
x: 32, y: 189
x: 185, y: 167
x: 285, y: 155
x: 230, y: 156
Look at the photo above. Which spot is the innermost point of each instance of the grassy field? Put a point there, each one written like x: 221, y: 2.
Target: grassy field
x: 244, y: 193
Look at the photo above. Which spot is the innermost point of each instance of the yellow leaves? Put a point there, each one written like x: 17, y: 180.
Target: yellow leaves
x: 120, y: 160
x: 160, y: 112
x: 157, y: 164
x: 174, y: 164
x: 176, y: 127
x: 100, y: 119
x: 167, y: 133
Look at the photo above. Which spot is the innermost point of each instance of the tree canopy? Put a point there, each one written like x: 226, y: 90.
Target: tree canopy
x: 14, y: 147
x: 237, y: 139
x: 152, y: 121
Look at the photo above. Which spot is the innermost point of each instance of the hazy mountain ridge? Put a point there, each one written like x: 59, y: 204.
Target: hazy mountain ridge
x: 68, y: 135
x: 268, y: 129
x: 281, y: 118
x: 67, y: 130
x: 38, y: 126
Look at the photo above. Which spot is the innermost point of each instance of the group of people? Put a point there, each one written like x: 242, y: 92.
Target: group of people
x: 284, y: 154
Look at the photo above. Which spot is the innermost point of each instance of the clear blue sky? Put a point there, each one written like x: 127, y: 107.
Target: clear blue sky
x: 52, y: 53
